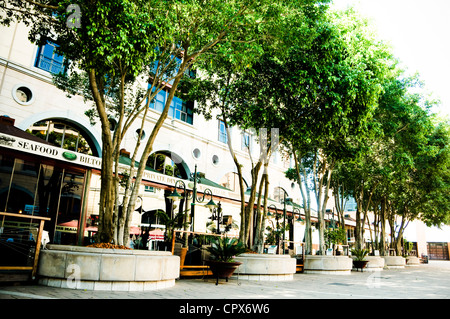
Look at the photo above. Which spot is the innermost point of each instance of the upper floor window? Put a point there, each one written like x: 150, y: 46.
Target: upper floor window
x: 47, y: 59
x: 223, y: 137
x: 246, y: 141
x: 64, y: 135
x: 179, y: 109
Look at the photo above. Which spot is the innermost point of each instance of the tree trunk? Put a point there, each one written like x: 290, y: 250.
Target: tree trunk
x: 383, y: 227
x: 241, y: 181
x: 261, y: 214
x: 107, y: 193
x: 306, y: 202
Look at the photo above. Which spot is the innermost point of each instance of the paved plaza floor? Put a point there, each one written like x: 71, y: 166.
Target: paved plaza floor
x: 425, y: 281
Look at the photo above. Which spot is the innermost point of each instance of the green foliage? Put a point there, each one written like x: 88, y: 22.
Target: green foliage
x: 334, y: 236
x: 225, y: 249
x: 171, y: 224
x: 360, y: 254
x: 273, y: 236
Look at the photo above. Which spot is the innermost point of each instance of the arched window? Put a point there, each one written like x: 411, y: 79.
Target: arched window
x: 278, y: 194
x: 169, y: 164
x: 64, y: 134
x: 231, y: 181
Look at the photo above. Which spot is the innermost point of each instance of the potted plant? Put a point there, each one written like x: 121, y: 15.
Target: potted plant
x: 222, y: 252
x: 359, y: 260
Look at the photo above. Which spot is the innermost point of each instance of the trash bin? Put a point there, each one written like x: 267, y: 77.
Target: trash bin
x: 424, y: 259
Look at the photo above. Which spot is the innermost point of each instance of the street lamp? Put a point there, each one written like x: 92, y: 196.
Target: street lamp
x: 295, y: 211
x: 217, y: 215
x: 284, y: 217
x: 278, y: 226
x: 210, y: 204
x: 332, y: 222
x: 176, y: 196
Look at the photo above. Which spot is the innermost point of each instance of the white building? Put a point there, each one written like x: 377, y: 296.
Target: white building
x: 36, y: 178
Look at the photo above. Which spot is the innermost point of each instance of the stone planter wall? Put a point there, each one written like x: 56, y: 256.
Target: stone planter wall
x: 394, y: 262
x: 376, y: 263
x: 412, y: 261
x: 322, y: 264
x: 265, y: 267
x: 107, y: 269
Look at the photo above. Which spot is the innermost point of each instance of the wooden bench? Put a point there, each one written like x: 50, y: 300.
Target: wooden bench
x: 195, y: 270
x: 189, y: 270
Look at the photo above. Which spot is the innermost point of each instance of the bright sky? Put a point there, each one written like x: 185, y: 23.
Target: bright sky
x: 419, y: 33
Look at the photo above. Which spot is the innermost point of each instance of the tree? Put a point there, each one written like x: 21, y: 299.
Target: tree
x: 119, y: 42
x: 341, y: 94
x: 241, y: 95
x: 389, y: 177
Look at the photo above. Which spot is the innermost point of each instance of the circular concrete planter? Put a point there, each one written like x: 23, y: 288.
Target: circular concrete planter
x: 322, y: 264
x: 394, y: 262
x: 88, y: 268
x: 266, y: 267
x: 376, y: 263
x: 412, y: 261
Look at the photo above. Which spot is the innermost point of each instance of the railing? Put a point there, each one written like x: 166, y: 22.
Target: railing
x: 20, y: 241
x: 195, y: 233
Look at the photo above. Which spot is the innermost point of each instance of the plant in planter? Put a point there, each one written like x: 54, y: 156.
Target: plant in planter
x: 334, y: 236
x: 177, y: 222
x: 360, y: 261
x: 222, y: 252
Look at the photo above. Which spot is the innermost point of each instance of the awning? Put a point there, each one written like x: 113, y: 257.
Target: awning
x: 73, y: 225
x: 156, y: 234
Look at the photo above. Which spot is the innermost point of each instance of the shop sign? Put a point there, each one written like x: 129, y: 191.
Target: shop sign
x: 49, y: 151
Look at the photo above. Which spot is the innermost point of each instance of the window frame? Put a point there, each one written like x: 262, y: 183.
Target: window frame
x: 222, y: 135
x: 244, y: 145
x: 41, y: 58
x: 179, y: 109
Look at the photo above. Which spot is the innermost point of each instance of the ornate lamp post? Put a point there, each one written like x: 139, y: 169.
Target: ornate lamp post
x: 295, y: 211
x: 332, y: 222
x: 176, y: 196
x: 217, y: 215
x: 210, y: 204
x: 278, y: 225
x: 285, y: 200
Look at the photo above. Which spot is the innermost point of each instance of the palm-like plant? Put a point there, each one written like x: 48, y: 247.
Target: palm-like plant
x: 360, y: 254
x: 225, y: 249
x: 171, y: 223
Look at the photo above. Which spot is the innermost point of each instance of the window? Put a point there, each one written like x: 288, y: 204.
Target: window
x: 246, y: 141
x: 23, y: 94
x: 223, y: 137
x: 196, y: 153
x: 63, y: 135
x: 47, y: 59
x: 179, y: 109
x: 138, y: 132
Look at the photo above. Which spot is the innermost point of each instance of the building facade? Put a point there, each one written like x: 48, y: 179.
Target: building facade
x: 50, y: 154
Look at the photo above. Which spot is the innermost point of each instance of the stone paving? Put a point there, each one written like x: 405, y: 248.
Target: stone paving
x: 425, y: 281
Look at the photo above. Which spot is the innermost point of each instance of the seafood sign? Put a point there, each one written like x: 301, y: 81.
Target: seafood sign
x: 49, y: 151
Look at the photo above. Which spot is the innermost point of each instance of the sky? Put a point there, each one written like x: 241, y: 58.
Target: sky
x: 419, y: 33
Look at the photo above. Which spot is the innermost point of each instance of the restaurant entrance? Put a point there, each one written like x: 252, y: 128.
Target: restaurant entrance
x: 33, y: 187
